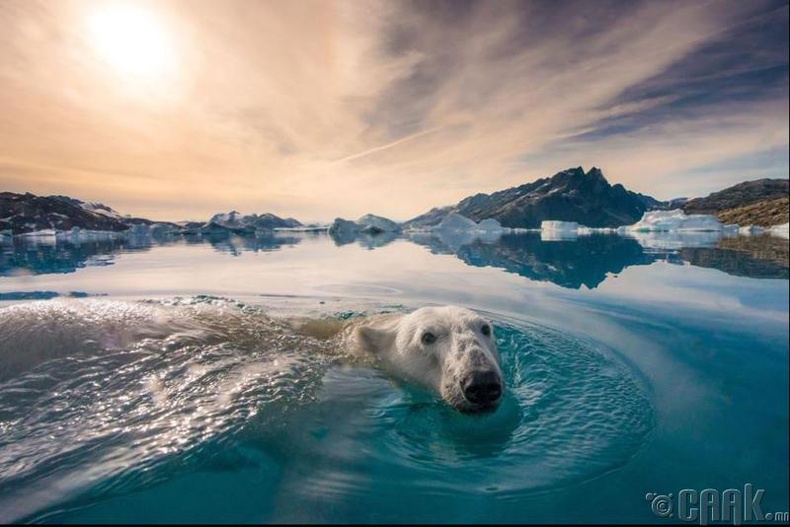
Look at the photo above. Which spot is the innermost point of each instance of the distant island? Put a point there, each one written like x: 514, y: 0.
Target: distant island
x: 572, y: 195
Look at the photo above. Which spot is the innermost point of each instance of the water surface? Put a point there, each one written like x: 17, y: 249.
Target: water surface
x: 633, y: 366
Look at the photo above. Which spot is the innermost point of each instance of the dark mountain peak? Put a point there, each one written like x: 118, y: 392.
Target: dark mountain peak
x: 578, y: 171
x: 569, y: 195
x: 21, y: 213
x: 596, y: 173
x: 570, y: 174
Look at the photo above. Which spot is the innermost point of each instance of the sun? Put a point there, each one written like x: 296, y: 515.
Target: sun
x: 132, y: 40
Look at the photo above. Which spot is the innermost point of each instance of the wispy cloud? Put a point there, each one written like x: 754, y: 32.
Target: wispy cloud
x: 316, y: 109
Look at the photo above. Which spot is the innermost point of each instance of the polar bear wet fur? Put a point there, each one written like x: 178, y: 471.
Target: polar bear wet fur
x: 449, y: 350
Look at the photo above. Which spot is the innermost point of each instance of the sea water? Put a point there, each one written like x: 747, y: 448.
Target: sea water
x: 634, y: 371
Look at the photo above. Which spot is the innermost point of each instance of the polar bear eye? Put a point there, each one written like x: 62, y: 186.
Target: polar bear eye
x: 486, y: 330
x: 428, y: 338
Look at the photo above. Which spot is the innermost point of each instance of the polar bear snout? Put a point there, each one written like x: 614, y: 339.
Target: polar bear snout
x: 482, y: 388
x: 450, y: 350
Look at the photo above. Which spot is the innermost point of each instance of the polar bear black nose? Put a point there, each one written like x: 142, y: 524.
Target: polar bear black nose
x: 482, y: 387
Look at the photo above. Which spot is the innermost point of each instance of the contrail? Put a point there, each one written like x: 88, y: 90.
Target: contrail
x: 389, y: 145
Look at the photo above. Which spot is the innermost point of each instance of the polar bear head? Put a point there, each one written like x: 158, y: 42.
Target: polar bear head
x: 449, y: 350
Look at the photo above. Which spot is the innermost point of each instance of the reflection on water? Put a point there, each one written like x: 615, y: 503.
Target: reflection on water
x: 760, y: 256
x: 668, y: 377
x: 571, y: 263
x: 586, y: 260
x: 236, y: 245
x: 32, y: 256
x: 29, y: 256
x: 589, y: 260
x: 371, y: 241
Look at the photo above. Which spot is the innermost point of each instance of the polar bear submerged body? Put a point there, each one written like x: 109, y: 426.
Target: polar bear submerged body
x: 448, y: 350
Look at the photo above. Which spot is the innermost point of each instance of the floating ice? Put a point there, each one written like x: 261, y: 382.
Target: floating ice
x: 554, y: 231
x: 367, y: 224
x: 375, y: 224
x: 672, y: 240
x: 782, y: 230
x: 564, y: 226
x: 489, y: 225
x: 551, y: 230
x: 457, y: 222
x: 675, y: 220
x: 456, y: 230
x: 748, y: 229
x: 343, y: 227
x: 249, y: 223
x: 44, y: 233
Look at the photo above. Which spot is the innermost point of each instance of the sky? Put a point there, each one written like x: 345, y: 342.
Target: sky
x: 314, y: 109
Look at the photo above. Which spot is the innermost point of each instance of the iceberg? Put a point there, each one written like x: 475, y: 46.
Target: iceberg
x: 456, y: 230
x: 564, y: 226
x: 373, y: 224
x: 675, y: 220
x: 675, y: 240
x: 551, y: 230
x: 247, y: 224
x: 343, y: 227
x: 457, y: 222
x: 490, y: 225
x: 748, y: 229
x: 783, y: 230
x: 230, y: 219
x: 554, y: 231
x: 367, y: 224
x: 371, y: 231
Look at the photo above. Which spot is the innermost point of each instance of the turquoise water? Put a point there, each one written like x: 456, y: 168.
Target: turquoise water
x: 632, y: 367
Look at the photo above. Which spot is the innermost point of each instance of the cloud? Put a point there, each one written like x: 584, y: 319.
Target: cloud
x: 317, y: 109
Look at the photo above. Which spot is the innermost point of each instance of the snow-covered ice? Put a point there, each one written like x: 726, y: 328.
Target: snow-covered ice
x: 457, y: 222
x: 749, y: 229
x: 375, y: 224
x: 669, y: 240
x: 675, y: 220
x: 343, y: 227
x: 563, y: 226
x: 783, y: 230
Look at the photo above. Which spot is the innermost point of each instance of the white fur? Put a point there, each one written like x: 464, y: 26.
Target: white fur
x: 459, y: 350
x: 39, y: 331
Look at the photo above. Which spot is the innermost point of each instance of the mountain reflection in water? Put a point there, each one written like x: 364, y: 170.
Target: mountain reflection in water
x: 570, y: 263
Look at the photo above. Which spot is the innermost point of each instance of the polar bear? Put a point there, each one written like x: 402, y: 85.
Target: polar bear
x: 450, y: 350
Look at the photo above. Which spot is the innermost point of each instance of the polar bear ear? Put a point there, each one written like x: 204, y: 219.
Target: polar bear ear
x: 378, y: 336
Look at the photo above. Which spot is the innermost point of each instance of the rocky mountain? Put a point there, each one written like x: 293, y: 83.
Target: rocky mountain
x: 21, y: 213
x: 763, y: 213
x: 761, y: 202
x: 570, y: 195
x: 247, y: 224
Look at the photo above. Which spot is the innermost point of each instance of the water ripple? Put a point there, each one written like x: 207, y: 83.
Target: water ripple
x: 80, y: 428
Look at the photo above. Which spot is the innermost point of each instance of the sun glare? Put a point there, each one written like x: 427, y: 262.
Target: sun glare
x: 132, y: 41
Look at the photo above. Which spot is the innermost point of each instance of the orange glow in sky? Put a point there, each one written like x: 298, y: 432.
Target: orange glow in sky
x: 178, y: 109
